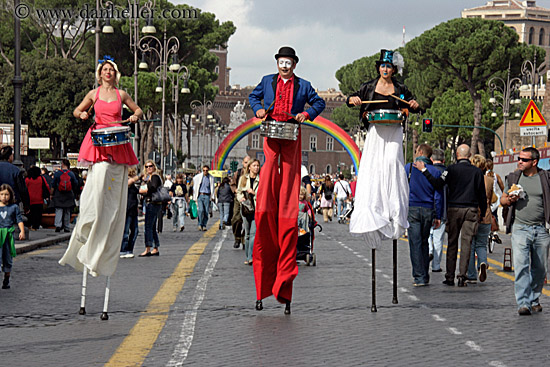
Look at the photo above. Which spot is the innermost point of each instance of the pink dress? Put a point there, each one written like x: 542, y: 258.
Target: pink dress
x: 106, y: 112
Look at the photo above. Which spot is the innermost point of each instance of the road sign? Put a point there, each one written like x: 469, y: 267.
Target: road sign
x: 39, y: 143
x: 532, y: 117
x: 532, y: 131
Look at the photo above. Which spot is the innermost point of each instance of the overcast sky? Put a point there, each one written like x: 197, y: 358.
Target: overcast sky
x: 325, y: 34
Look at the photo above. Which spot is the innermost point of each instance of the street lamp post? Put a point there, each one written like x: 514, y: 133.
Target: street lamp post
x: 168, y: 46
x: 175, y: 78
x: 506, y: 88
x: 204, y: 105
x: 530, y: 72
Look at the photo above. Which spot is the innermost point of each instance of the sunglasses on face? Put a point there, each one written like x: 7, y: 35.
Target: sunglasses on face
x: 525, y: 159
x: 149, y: 166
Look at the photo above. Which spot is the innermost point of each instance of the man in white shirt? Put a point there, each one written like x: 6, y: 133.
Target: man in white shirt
x: 342, y: 190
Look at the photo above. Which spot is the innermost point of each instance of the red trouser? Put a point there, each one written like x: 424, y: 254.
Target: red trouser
x: 274, y: 253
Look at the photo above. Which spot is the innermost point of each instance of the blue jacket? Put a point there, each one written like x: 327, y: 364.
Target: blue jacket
x: 303, y: 93
x: 421, y: 191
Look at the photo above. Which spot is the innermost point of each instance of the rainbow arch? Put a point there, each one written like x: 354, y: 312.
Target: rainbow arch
x: 319, y: 123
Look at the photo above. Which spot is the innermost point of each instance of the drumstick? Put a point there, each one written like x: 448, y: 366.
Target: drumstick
x: 119, y: 122
x: 92, y: 106
x: 380, y: 101
x: 399, y: 99
x: 266, y: 111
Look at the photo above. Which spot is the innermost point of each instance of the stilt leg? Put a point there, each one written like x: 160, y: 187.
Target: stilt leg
x: 394, y: 300
x: 104, y: 315
x: 373, y: 307
x: 82, y: 310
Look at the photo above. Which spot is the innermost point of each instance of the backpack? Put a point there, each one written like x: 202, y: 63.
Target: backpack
x: 65, y: 184
x: 328, y: 193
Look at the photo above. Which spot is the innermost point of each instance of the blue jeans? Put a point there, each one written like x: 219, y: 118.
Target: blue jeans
x: 224, y: 213
x: 530, y: 248
x: 479, y: 247
x: 420, y: 222
x: 151, y: 217
x: 249, y: 226
x: 131, y: 231
x: 203, y: 209
x: 7, y: 260
x: 437, y: 236
x: 340, y: 206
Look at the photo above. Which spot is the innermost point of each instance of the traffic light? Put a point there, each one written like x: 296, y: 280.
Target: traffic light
x: 427, y: 125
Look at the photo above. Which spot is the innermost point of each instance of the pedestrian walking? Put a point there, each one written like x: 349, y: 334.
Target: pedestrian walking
x: 466, y: 200
x: 39, y: 193
x: 479, y: 242
x: 151, y: 182
x: 131, y: 228
x: 180, y: 198
x: 203, y: 194
x: 327, y: 198
x: 342, y: 191
x: 425, y: 211
x: 237, y: 220
x: 246, y: 194
x: 437, y: 235
x: 10, y: 216
x: 64, y: 189
x: 11, y: 174
x: 225, y: 197
x: 528, y: 220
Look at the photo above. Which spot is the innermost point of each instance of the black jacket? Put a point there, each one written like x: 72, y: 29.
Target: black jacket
x: 466, y: 185
x: 513, y: 178
x: 366, y: 93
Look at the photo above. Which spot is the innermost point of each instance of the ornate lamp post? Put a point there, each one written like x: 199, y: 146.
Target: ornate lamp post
x: 204, y: 106
x: 175, y: 77
x: 506, y: 97
x: 168, y: 46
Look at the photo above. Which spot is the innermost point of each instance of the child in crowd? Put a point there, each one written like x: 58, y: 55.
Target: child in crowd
x: 9, y: 217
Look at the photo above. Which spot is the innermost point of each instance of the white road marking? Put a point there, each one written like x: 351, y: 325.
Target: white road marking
x: 412, y: 297
x: 185, y: 340
x: 455, y: 331
x: 404, y: 290
x: 496, y: 364
x: 386, y: 276
x: 473, y: 346
x: 438, y: 318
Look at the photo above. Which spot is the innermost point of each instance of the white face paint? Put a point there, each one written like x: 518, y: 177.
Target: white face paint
x: 285, y: 63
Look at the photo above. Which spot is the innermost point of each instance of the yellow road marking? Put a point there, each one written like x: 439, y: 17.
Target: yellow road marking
x: 136, y: 346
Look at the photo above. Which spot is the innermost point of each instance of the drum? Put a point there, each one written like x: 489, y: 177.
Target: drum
x: 109, y: 136
x: 279, y: 130
x: 386, y: 117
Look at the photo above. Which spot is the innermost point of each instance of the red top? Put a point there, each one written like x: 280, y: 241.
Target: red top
x: 353, y: 185
x: 106, y: 112
x: 35, y: 189
x: 284, y: 95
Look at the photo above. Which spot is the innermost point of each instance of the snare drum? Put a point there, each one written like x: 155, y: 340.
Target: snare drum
x: 386, y: 117
x: 109, y: 136
x: 279, y: 130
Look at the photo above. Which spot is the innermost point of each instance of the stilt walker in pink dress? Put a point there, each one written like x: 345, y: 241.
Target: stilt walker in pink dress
x: 95, y: 242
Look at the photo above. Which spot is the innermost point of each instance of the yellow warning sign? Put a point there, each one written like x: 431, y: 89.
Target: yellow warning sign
x: 532, y: 116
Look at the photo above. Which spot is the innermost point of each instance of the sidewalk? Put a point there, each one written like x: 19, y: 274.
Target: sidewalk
x: 40, y: 238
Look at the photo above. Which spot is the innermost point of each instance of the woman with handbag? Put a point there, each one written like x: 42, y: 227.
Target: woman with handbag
x: 151, y: 184
x: 246, y: 195
x: 326, y: 194
x: 39, y: 193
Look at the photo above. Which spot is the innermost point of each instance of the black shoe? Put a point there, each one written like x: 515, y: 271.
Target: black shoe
x: 449, y: 282
x: 524, y: 311
x: 58, y: 229
x: 6, y: 283
x: 287, y: 308
x: 259, y: 305
x: 536, y: 308
x: 462, y: 282
x: 237, y: 244
x: 66, y: 230
x: 497, y: 239
x: 437, y: 271
x: 482, y: 272
x: 431, y: 257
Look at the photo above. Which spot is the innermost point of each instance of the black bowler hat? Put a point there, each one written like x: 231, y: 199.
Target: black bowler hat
x: 286, y: 51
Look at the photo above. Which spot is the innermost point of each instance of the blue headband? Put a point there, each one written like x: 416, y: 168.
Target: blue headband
x: 106, y: 58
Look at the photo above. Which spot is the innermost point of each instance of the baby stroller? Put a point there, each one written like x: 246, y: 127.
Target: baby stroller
x: 306, y: 236
x: 346, y: 215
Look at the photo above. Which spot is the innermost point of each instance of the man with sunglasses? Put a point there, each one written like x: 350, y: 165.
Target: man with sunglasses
x: 528, y: 220
x: 203, y: 193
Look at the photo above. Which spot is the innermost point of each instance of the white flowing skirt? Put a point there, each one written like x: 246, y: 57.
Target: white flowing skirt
x: 97, y: 237
x: 382, y: 195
